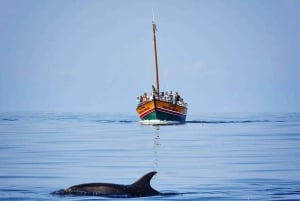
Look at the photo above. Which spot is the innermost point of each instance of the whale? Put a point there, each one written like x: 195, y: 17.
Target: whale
x: 140, y: 188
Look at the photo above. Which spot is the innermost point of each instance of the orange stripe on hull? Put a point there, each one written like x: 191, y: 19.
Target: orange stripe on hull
x: 162, y: 107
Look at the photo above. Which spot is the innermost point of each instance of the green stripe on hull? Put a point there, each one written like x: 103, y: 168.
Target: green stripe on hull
x: 156, y: 115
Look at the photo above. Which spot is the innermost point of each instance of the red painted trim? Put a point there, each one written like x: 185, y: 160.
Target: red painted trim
x: 170, y: 112
x: 161, y: 110
x: 147, y: 112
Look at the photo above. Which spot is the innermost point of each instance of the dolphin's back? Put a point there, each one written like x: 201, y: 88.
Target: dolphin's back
x: 97, y: 189
x: 140, y: 188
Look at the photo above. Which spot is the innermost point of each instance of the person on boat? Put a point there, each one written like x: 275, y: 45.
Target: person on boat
x: 161, y: 95
x: 145, y: 98
x: 166, y: 97
x: 141, y: 99
x: 180, y: 102
x: 152, y: 96
x: 177, y: 97
x: 138, y: 100
x: 171, y: 97
x: 154, y: 92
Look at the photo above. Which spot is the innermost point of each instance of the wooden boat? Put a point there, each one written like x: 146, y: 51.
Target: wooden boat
x: 160, y: 107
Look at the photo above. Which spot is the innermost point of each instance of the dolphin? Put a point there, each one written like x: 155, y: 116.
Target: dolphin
x: 140, y: 188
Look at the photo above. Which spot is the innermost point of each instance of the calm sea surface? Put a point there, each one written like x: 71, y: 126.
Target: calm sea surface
x: 211, y: 157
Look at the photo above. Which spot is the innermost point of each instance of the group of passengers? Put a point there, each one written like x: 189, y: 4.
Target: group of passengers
x: 163, y: 96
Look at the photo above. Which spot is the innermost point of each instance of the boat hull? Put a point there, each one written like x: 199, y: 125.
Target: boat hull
x: 161, y: 112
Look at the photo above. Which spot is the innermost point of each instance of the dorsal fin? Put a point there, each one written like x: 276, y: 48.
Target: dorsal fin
x: 145, y: 180
x: 142, y: 186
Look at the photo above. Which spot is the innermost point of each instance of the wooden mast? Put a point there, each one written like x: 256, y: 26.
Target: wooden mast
x: 155, y: 56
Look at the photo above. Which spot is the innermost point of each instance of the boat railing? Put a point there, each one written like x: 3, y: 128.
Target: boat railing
x: 179, y: 103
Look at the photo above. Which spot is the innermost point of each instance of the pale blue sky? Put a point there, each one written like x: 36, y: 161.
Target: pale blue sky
x: 97, y: 56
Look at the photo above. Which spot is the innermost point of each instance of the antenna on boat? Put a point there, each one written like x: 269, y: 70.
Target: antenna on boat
x: 155, y: 52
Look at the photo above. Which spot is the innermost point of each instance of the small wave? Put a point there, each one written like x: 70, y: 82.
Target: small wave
x: 9, y: 119
x: 27, y: 177
x: 14, y: 190
x: 159, y: 122
x: 230, y: 121
x: 127, y: 121
x: 107, y: 121
x: 114, y: 121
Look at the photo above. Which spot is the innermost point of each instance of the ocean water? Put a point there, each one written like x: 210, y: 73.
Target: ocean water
x: 211, y: 157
